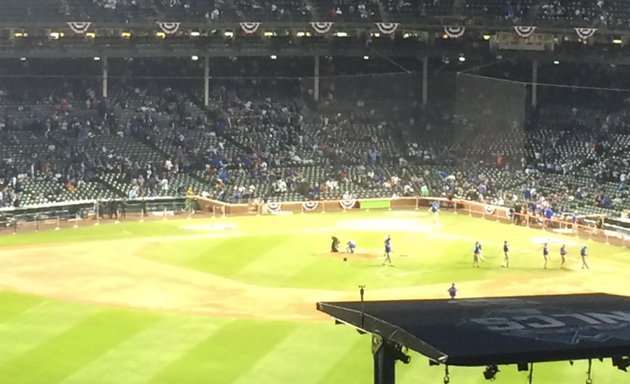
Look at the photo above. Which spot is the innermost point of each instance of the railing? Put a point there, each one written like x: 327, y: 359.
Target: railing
x: 68, y: 214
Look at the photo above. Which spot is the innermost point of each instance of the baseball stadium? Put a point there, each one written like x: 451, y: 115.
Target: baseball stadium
x: 314, y: 191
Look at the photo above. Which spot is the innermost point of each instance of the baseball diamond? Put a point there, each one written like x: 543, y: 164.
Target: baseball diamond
x: 232, y: 299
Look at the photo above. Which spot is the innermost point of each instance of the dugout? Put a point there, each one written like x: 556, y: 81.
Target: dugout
x: 491, y: 331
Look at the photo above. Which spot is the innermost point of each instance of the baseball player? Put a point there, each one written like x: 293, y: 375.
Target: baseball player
x: 506, y: 254
x: 388, y: 250
x: 452, y: 291
x: 563, y: 255
x: 545, y: 254
x: 350, y: 246
x: 476, y: 254
x: 583, y: 254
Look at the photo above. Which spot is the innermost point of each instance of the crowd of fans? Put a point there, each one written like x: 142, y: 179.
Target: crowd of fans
x: 584, y: 13
x: 256, y: 141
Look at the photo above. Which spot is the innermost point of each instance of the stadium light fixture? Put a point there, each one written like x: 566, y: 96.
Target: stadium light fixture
x: 341, y: 34
x: 96, y: 58
x: 556, y: 62
x: 229, y: 34
x: 195, y: 33
x: 125, y: 35
x: 194, y: 58
x: 273, y: 57
x: 22, y: 58
x: 462, y: 58
x: 366, y: 57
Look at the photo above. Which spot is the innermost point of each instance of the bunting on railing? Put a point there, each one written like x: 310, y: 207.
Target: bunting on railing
x: 169, y: 27
x: 387, y: 28
x: 347, y: 202
x: 249, y: 27
x: 310, y: 205
x: 454, y: 31
x: 274, y: 206
x: 490, y: 209
x: 322, y: 27
x: 585, y: 33
x: 524, y: 31
x: 79, y: 27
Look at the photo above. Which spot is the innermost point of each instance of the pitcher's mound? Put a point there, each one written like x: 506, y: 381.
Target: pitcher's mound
x: 351, y: 256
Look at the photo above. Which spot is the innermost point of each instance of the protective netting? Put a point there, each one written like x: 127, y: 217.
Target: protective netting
x: 490, y: 118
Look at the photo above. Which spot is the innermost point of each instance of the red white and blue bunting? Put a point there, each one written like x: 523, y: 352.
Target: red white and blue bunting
x: 454, y: 31
x: 310, y: 205
x: 79, y: 27
x: 274, y: 206
x: 249, y: 27
x: 169, y: 27
x: 524, y: 31
x: 387, y: 28
x: 585, y: 33
x: 347, y: 203
x: 490, y: 209
x: 322, y: 27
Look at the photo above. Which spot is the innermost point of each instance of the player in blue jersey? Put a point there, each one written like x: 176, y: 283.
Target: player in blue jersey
x: 476, y: 254
x: 563, y: 255
x: 583, y: 254
x: 435, y: 209
x: 388, y: 250
x: 545, y: 254
x: 350, y: 246
x: 506, y: 255
x: 452, y: 291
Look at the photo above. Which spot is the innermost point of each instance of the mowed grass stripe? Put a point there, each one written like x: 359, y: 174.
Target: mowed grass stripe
x: 140, y: 357
x: 302, y: 357
x: 356, y: 363
x: 279, y: 258
x: 13, y: 304
x: 67, y: 352
x: 35, y: 326
x: 224, y: 356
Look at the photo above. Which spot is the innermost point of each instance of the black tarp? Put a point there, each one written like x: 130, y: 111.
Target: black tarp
x: 474, y: 332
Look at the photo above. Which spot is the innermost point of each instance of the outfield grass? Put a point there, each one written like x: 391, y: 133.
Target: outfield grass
x: 50, y: 341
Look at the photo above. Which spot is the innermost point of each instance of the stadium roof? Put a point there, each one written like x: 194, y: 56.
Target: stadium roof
x: 485, y: 331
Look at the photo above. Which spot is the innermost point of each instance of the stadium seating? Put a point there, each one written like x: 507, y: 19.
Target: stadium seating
x: 261, y: 141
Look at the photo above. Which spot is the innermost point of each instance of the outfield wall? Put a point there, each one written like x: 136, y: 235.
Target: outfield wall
x: 584, y: 228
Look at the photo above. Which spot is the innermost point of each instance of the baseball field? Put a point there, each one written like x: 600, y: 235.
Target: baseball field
x: 232, y: 300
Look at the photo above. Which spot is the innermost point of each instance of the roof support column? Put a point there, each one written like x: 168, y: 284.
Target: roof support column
x: 206, y: 81
x: 316, y: 80
x: 535, y: 83
x: 384, y: 360
x: 425, y: 82
x: 105, y: 77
